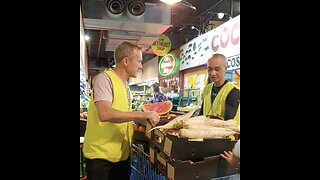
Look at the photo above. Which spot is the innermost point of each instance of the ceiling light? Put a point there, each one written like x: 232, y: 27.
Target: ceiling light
x: 86, y: 37
x: 186, y: 3
x: 220, y: 15
x: 170, y: 1
x: 180, y: 29
x: 199, y: 32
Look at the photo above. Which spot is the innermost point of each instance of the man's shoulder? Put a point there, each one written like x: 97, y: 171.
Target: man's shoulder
x: 102, y: 79
x: 231, y: 85
x: 235, y: 92
x: 102, y: 76
x: 236, y: 89
x: 208, y: 85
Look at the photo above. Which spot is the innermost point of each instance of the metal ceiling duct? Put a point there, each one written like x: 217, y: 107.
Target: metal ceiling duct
x: 155, y: 19
x: 115, y: 8
x: 135, y: 9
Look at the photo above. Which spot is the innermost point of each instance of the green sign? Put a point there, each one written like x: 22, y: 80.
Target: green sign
x: 168, y: 65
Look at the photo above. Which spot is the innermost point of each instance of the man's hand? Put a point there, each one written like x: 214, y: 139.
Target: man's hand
x: 231, y: 159
x: 153, y: 117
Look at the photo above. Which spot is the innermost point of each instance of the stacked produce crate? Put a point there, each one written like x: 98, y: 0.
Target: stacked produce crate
x: 182, y: 158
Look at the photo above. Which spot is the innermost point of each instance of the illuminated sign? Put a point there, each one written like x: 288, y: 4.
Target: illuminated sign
x: 224, y: 39
x: 168, y: 65
x: 162, y: 46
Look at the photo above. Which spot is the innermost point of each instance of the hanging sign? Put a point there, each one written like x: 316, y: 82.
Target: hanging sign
x: 162, y: 46
x: 225, y: 39
x: 168, y: 65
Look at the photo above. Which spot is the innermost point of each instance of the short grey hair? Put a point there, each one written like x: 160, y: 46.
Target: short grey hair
x: 125, y: 49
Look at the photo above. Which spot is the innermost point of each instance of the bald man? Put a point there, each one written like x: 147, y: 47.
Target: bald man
x: 221, y: 98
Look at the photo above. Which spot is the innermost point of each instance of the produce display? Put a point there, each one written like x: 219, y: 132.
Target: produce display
x: 175, y: 123
x: 83, y: 115
x: 139, y: 127
x: 168, y: 116
x: 160, y: 107
x: 200, y: 127
x: 139, y: 103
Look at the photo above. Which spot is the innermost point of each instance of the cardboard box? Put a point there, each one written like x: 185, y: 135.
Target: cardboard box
x: 140, y: 136
x: 149, y: 126
x: 202, y: 169
x: 147, y: 133
x: 184, y: 149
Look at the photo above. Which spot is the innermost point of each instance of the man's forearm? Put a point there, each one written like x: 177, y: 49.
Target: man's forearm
x: 117, y: 116
x: 108, y: 114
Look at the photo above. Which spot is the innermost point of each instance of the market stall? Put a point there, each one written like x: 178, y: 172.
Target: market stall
x: 182, y: 148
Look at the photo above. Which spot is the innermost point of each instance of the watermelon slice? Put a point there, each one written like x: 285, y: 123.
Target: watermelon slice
x: 160, y: 107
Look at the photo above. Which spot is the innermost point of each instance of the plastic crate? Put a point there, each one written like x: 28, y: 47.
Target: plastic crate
x: 142, y: 168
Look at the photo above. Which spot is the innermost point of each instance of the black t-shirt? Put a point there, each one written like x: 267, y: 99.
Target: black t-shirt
x: 232, y: 101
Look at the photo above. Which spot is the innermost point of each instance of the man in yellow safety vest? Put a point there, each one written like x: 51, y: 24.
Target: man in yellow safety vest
x: 221, y: 98
x: 109, y: 131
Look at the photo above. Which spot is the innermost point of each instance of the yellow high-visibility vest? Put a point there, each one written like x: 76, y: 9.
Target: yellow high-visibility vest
x: 107, y: 140
x: 217, y: 108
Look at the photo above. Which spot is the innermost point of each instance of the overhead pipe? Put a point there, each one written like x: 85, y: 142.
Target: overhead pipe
x: 102, y: 36
x: 135, y: 9
x: 141, y: 33
x: 115, y: 8
x: 231, y: 8
x: 124, y: 39
x: 112, y: 29
x: 100, y: 42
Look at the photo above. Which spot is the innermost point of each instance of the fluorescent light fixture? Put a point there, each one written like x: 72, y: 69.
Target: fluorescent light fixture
x: 170, y: 1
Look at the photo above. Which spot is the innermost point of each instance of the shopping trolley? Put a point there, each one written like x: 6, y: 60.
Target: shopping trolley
x: 231, y: 177
x: 82, y: 164
x: 142, y: 168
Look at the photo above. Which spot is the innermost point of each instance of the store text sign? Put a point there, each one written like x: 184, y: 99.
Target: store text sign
x: 228, y: 37
x: 161, y: 46
x: 225, y: 39
x: 233, y: 62
x: 168, y: 65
